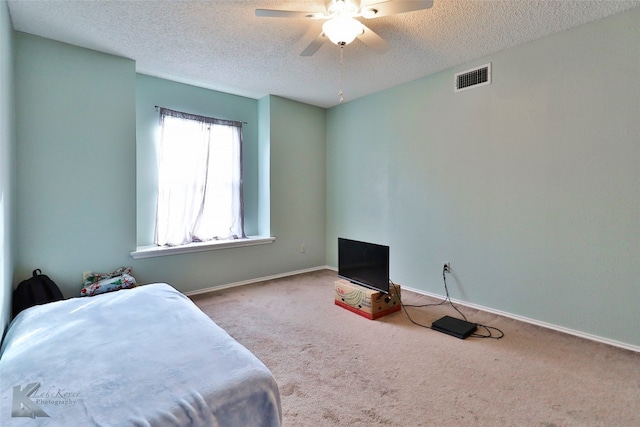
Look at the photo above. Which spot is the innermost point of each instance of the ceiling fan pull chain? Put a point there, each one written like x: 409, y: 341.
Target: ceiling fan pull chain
x: 341, y: 72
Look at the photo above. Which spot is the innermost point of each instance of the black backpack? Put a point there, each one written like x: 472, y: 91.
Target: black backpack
x: 39, y: 289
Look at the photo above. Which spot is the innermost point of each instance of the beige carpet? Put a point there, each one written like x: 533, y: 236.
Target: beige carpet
x: 336, y: 368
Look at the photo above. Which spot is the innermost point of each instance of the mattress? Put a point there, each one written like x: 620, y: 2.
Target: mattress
x: 137, y: 357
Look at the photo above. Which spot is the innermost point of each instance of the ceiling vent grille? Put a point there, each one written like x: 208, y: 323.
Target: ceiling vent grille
x: 469, y: 79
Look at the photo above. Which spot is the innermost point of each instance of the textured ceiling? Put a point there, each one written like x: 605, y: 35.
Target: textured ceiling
x: 222, y: 45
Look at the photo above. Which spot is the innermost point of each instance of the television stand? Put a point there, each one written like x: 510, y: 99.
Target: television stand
x: 366, y: 302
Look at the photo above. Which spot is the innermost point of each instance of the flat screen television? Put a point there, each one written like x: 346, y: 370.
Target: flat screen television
x: 365, y: 264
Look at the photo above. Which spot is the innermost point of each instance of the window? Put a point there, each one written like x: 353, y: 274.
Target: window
x: 199, y: 179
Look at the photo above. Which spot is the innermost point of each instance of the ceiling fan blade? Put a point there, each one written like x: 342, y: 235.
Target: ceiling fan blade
x: 272, y: 13
x: 390, y: 7
x: 315, y: 45
x: 373, y: 40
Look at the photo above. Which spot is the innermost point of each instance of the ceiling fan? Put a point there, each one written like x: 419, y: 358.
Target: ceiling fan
x: 342, y: 27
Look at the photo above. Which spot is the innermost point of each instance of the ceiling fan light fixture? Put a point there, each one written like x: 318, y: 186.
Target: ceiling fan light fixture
x: 342, y: 30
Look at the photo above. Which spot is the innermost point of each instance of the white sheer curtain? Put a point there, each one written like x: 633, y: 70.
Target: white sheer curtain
x: 199, y: 179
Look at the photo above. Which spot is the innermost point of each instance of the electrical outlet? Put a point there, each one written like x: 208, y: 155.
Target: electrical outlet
x: 303, y: 248
x: 447, y: 267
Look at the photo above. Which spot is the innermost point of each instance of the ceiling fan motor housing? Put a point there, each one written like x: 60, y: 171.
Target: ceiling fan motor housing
x: 343, y: 7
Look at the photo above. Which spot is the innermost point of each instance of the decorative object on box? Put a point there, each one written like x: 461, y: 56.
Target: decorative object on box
x: 99, y: 283
x: 36, y: 290
x: 366, y: 302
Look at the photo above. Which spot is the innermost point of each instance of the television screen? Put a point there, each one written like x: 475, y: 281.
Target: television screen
x: 366, y: 264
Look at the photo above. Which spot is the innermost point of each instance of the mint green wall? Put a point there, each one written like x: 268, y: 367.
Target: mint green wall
x: 294, y: 149
x: 75, y: 121
x: 298, y: 171
x: 76, y: 179
x: 530, y: 186
x: 264, y: 169
x: 151, y: 91
x: 7, y: 161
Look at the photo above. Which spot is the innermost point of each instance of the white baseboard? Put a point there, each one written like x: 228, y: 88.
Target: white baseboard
x: 569, y: 331
x: 256, y: 280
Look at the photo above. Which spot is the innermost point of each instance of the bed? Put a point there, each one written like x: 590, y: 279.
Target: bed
x: 145, y: 356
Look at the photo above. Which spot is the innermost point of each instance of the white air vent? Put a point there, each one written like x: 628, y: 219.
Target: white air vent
x: 469, y: 79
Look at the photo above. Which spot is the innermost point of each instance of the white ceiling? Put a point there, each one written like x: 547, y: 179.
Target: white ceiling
x: 222, y: 45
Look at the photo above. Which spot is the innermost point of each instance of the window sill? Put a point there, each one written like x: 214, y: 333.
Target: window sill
x: 156, y: 251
